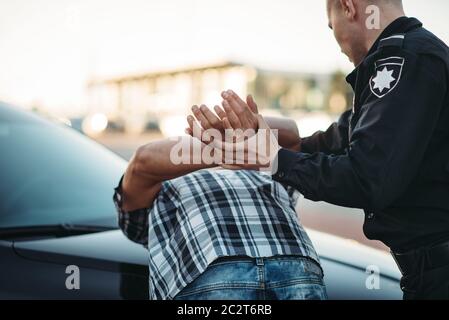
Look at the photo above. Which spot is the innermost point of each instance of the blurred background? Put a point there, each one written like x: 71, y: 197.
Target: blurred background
x: 127, y: 72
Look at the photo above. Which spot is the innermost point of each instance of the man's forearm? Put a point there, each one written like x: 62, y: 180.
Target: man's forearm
x: 159, y: 160
x: 156, y: 162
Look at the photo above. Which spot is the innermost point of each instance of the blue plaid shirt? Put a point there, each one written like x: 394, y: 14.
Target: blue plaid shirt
x: 208, y: 214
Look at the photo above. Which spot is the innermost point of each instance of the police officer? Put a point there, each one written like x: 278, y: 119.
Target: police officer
x: 389, y: 155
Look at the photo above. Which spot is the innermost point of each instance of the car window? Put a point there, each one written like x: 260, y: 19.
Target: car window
x: 51, y: 174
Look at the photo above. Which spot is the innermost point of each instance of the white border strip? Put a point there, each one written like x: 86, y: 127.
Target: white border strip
x: 393, y: 37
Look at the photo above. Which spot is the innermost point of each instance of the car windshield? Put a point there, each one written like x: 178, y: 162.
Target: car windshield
x: 51, y: 174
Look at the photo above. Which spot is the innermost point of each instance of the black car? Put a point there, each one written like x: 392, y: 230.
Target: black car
x: 57, y: 215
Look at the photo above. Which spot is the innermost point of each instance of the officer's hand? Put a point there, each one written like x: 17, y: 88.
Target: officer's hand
x: 256, y: 151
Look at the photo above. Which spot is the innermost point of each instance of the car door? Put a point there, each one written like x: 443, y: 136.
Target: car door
x: 97, y: 266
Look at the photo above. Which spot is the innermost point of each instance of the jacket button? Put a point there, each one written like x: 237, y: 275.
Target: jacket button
x: 370, y: 215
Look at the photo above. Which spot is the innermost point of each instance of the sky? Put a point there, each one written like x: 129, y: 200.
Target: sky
x: 49, y: 49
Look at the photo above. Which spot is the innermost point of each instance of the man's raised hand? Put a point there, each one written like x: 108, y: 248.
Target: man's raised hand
x: 241, y: 114
x: 206, y: 119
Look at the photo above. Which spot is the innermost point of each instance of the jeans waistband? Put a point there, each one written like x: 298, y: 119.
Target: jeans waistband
x: 260, y: 260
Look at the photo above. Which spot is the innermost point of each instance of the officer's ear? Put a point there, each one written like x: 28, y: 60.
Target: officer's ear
x: 348, y: 8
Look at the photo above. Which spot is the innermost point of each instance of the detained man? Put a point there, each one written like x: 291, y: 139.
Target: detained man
x: 216, y: 234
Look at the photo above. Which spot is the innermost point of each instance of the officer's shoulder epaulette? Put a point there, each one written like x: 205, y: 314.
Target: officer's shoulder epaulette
x: 396, y: 40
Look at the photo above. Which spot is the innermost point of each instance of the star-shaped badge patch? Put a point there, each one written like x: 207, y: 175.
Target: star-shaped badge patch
x: 386, y: 76
x: 383, y: 80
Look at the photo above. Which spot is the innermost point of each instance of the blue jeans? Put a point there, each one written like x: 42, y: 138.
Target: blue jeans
x: 244, y: 278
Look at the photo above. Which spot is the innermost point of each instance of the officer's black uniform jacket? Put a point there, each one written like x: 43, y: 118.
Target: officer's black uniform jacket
x: 390, y: 154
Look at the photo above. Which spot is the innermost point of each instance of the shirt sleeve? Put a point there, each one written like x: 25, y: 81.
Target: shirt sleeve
x: 386, y: 147
x: 332, y: 141
x: 134, y: 224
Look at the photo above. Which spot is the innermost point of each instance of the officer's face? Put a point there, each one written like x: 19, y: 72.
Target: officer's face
x: 346, y: 30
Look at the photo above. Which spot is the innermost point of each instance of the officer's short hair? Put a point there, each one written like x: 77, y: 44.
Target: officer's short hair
x: 395, y: 2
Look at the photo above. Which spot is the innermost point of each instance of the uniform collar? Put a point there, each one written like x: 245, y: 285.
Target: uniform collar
x: 400, y: 25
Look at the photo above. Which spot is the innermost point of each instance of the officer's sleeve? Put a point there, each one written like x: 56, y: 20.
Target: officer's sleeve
x: 385, y: 149
x: 332, y: 141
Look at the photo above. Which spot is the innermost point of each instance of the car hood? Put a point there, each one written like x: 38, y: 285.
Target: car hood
x: 353, y: 253
x: 112, y: 249
x: 109, y: 250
